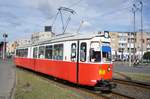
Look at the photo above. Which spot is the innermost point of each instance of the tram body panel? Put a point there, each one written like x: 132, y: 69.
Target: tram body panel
x: 28, y: 63
x: 106, y: 71
x: 89, y: 74
x: 60, y: 69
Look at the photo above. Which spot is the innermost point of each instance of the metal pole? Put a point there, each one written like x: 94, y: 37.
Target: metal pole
x: 130, y: 49
x: 134, y: 37
x: 4, y: 45
x: 134, y: 9
x: 80, y: 26
x: 141, y: 31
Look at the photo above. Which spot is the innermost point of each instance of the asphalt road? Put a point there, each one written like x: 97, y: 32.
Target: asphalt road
x: 124, y: 67
x: 7, y: 78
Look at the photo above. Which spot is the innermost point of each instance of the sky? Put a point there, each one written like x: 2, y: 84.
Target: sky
x: 21, y: 18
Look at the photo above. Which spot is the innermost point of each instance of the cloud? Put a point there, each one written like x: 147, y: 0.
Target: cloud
x: 86, y: 24
x: 22, y: 17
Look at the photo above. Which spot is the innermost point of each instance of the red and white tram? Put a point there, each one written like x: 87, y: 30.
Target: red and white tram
x: 77, y: 58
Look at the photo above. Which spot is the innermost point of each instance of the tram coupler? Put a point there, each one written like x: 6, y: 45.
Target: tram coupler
x: 104, y: 85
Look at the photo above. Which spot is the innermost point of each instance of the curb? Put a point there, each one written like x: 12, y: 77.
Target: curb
x: 12, y: 93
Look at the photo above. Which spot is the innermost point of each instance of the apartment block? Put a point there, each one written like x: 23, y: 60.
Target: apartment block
x: 41, y: 36
x: 121, y: 42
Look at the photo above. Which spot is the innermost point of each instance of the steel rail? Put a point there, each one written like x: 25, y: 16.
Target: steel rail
x: 75, y: 87
x: 132, y: 83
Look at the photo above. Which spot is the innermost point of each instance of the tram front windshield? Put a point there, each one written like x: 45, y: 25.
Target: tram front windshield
x: 95, y: 55
x: 106, y: 53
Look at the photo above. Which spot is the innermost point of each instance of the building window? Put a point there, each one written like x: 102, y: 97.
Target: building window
x: 35, y: 52
x: 83, y: 52
x: 58, y: 52
x: 41, y: 52
x: 49, y: 52
x: 73, y: 51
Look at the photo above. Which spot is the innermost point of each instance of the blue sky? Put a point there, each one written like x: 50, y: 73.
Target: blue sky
x: 20, y: 18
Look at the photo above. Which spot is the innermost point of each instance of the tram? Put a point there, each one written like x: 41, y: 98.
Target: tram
x: 78, y: 58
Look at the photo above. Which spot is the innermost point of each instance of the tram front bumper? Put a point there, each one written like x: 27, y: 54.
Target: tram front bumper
x: 105, y: 85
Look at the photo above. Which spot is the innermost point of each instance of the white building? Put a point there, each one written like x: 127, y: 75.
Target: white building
x: 41, y: 36
x: 121, y: 42
x: 11, y: 46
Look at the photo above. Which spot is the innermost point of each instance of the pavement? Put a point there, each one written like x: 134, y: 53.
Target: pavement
x: 7, y: 78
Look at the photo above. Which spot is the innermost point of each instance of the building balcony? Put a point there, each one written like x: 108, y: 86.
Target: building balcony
x: 132, y: 45
x: 121, y: 41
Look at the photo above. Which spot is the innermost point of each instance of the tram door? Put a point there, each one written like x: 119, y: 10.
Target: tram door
x: 81, y: 57
x: 78, y: 55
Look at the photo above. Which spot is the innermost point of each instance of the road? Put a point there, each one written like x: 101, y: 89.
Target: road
x: 7, y: 78
x: 124, y: 67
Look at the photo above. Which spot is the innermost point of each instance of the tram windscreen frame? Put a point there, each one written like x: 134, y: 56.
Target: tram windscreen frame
x: 97, y: 56
x: 106, y: 53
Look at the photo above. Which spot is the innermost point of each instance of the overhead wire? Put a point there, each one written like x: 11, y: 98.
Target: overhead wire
x: 55, y: 19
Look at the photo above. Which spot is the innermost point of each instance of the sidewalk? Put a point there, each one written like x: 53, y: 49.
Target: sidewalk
x: 7, y: 78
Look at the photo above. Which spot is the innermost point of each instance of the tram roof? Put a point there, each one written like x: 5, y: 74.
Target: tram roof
x: 66, y: 37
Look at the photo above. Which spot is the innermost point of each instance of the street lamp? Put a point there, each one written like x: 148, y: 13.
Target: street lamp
x: 4, y: 45
x: 134, y: 9
x: 141, y: 31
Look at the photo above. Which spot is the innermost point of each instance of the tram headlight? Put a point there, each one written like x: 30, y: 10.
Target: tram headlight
x: 109, y: 68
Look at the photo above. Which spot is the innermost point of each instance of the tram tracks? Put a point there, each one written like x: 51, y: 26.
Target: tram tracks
x: 80, y: 89
x: 132, y: 83
x: 135, y: 89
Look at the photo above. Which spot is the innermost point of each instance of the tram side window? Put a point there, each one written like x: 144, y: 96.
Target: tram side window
x: 22, y: 52
x: 83, y: 48
x: 17, y: 53
x: 73, y: 51
x: 25, y: 54
x: 41, y: 52
x: 58, y: 52
x: 35, y: 52
x: 48, y: 52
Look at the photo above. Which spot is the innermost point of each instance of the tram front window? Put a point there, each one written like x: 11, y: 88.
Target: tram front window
x: 106, y: 56
x: 95, y: 56
x: 106, y: 53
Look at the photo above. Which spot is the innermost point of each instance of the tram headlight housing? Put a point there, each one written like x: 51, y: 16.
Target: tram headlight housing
x: 109, y: 68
